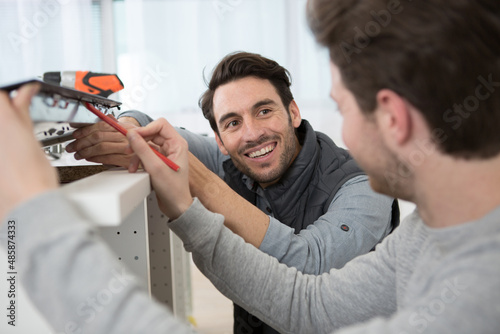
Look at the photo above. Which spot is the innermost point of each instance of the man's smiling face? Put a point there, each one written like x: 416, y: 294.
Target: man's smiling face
x: 255, y: 129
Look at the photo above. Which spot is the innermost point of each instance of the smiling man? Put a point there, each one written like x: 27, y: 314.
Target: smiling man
x: 298, y: 176
x: 284, y: 188
x: 255, y: 129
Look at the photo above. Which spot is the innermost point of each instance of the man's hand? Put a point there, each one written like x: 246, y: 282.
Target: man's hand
x: 172, y: 188
x: 101, y: 143
x: 24, y: 171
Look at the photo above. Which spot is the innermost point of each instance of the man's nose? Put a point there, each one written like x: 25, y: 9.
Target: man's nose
x: 252, y: 130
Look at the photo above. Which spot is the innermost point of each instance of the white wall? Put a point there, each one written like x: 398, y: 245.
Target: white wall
x: 163, y: 49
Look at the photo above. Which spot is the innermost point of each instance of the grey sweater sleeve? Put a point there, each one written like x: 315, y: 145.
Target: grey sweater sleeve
x: 73, y: 278
x: 417, y: 280
x: 356, y: 220
x: 284, y: 298
x: 445, y: 278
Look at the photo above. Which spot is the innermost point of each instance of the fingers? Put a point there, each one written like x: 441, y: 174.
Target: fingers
x: 97, y: 141
x: 172, y: 187
x: 101, y: 143
x: 103, y: 155
x: 97, y: 127
x: 21, y: 102
x: 151, y: 162
x: 159, y: 127
x: 28, y: 172
x: 15, y: 111
x: 97, y: 133
x: 24, y: 94
x: 159, y: 132
x: 17, y: 108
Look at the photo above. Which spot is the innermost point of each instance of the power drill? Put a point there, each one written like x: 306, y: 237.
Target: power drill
x: 101, y: 84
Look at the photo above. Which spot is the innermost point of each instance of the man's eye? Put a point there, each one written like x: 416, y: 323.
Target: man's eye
x: 265, y: 111
x: 231, y: 124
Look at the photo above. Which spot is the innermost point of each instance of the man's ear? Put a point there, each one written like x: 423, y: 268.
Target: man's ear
x: 293, y: 108
x: 393, y: 116
x: 220, y: 144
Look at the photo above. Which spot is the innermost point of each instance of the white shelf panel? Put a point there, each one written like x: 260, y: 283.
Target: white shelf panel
x: 107, y: 198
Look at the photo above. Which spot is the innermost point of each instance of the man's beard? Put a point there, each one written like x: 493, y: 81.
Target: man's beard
x: 285, y: 159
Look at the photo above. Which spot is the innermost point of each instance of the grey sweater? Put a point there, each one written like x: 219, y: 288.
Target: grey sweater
x: 419, y: 280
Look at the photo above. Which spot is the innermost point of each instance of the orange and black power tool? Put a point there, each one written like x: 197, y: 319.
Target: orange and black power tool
x: 101, y: 84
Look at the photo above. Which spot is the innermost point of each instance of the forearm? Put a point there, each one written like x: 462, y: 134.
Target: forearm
x: 355, y: 222
x: 66, y: 270
x: 281, y: 296
x: 241, y: 217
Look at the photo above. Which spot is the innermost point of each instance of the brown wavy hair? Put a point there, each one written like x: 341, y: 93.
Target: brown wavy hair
x: 239, y: 65
x: 441, y: 56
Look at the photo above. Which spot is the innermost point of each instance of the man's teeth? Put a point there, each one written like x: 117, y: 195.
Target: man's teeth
x: 261, y: 152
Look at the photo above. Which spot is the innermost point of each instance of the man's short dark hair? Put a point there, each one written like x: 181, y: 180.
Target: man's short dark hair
x: 441, y: 56
x: 239, y: 65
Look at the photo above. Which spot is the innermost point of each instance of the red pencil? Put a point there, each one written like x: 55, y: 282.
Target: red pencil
x: 123, y: 131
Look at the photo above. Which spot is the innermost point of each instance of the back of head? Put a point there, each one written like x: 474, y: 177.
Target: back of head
x: 441, y: 56
x: 239, y: 65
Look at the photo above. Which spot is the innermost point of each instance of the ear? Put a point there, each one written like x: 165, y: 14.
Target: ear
x: 293, y: 108
x: 393, y: 116
x: 220, y: 144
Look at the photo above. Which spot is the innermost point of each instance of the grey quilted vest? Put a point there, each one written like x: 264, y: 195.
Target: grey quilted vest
x: 300, y: 197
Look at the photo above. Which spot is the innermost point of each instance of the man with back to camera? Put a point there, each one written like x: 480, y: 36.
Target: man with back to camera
x: 439, y: 272
x: 300, y: 178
